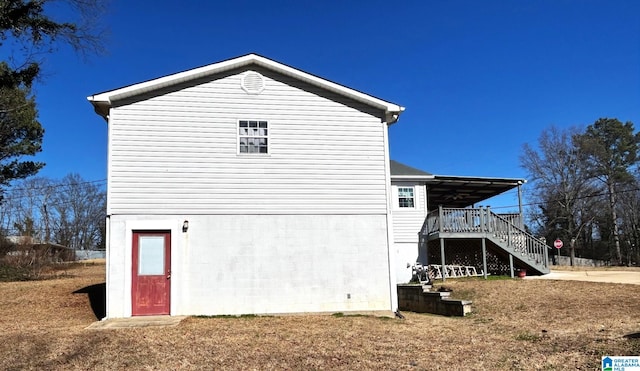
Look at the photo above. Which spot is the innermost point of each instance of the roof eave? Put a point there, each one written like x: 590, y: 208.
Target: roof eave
x: 392, y: 111
x: 412, y: 177
x: 100, y: 107
x: 513, y: 181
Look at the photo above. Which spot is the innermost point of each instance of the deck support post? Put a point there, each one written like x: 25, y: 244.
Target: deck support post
x: 521, y: 218
x: 484, y: 257
x: 511, y: 265
x: 423, y: 250
x: 444, y: 270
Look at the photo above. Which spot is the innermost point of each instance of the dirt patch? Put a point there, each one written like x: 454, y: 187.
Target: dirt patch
x: 517, y: 324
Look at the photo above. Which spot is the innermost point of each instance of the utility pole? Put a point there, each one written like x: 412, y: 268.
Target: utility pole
x: 46, y: 224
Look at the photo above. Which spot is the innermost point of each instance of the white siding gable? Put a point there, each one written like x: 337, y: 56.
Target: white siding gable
x: 407, y: 221
x: 176, y: 152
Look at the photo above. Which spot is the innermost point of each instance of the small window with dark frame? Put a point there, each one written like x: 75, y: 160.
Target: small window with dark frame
x: 405, y: 197
x: 253, y: 136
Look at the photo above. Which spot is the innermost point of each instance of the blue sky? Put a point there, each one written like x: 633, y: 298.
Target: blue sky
x: 478, y: 78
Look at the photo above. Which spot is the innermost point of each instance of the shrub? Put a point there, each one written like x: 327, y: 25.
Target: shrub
x: 25, y: 260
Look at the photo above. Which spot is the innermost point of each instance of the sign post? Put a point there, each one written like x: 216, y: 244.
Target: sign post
x: 558, y: 245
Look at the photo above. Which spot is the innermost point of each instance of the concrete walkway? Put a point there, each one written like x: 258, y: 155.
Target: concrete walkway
x: 142, y: 321
x: 609, y: 276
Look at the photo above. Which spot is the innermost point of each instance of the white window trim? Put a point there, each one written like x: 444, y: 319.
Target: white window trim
x: 238, y: 136
x: 413, y: 191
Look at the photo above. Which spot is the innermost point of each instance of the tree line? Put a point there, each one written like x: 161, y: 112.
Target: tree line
x: 69, y: 212
x: 585, y: 189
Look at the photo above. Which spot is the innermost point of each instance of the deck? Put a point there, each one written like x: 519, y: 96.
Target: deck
x: 503, y: 234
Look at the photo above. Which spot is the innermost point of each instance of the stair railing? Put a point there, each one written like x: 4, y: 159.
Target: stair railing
x: 519, y: 240
x: 505, y: 228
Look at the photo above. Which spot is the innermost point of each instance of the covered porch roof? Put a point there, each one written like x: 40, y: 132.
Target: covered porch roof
x: 453, y: 191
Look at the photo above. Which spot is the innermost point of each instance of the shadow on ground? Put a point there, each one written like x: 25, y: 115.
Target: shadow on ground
x: 97, y: 298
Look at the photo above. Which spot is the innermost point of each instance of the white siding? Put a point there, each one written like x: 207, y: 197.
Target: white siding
x: 177, y: 153
x: 406, y: 258
x: 240, y: 264
x: 408, y: 221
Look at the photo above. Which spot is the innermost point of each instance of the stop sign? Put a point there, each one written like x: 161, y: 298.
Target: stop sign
x: 557, y: 243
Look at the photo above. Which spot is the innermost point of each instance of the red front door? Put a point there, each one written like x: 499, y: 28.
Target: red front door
x: 151, y: 273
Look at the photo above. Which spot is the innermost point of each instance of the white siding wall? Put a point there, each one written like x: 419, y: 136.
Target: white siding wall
x: 177, y: 153
x: 406, y: 225
x: 406, y: 257
x: 242, y: 264
x: 302, y: 229
x: 408, y: 221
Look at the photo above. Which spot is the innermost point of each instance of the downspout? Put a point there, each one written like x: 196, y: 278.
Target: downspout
x: 390, y: 117
x: 108, y: 281
x: 107, y: 244
x: 393, y: 291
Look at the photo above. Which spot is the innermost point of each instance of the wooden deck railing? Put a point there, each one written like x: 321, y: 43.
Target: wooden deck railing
x: 505, y: 229
x: 457, y: 221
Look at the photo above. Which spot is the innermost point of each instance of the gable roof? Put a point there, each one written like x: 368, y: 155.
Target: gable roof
x: 103, y: 101
x: 400, y: 170
x: 451, y: 190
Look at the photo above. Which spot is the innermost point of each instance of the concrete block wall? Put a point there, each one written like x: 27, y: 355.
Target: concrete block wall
x: 415, y: 298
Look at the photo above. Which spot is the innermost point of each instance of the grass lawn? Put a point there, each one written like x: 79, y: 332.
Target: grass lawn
x: 516, y: 324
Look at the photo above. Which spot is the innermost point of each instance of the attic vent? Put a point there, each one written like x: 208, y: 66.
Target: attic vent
x: 253, y: 83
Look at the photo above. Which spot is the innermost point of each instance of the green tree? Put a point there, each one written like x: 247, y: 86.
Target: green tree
x: 611, y: 153
x: 27, y: 31
x: 20, y: 133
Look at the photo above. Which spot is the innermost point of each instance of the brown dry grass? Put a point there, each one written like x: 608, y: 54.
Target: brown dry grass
x: 517, y: 324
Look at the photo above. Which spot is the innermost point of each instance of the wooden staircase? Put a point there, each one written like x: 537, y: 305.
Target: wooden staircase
x: 504, y: 233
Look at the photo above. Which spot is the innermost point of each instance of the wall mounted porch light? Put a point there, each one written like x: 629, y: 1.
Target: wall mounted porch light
x: 185, y: 226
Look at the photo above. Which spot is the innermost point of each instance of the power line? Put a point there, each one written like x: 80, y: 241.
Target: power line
x: 573, y: 199
x: 40, y: 191
x: 56, y: 185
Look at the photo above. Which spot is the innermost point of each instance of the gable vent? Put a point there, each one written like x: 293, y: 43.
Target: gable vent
x: 252, y: 83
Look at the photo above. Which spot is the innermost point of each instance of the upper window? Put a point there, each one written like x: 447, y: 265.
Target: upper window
x: 253, y: 136
x: 406, y: 197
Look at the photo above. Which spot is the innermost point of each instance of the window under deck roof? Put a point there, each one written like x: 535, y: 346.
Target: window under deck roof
x: 454, y: 191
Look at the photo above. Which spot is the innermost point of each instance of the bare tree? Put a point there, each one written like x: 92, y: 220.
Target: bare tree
x: 24, y: 208
x: 629, y: 216
x: 79, y: 208
x: 68, y: 212
x: 562, y: 188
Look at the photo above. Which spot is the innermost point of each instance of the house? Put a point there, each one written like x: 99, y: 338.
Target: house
x: 18, y: 247
x: 439, y: 220
x: 247, y: 186
x: 251, y: 187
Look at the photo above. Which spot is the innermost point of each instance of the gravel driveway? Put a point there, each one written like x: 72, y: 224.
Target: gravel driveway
x: 611, y: 276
